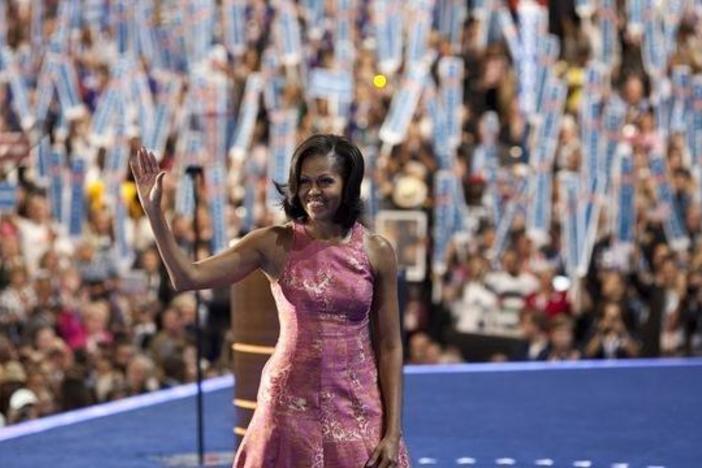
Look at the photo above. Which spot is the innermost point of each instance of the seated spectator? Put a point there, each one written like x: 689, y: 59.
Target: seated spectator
x: 171, y: 339
x: 141, y: 375
x: 533, y: 326
x: 546, y: 299
x: 512, y: 285
x: 474, y: 309
x: 15, y: 303
x: 610, y: 338
x: 561, y: 346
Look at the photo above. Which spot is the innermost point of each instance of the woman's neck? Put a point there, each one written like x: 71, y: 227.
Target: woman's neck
x: 325, y: 230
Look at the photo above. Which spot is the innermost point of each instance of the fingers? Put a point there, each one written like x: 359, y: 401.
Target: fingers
x: 144, y: 163
x: 374, y: 458
x: 153, y: 163
x: 141, y: 163
x: 159, y: 179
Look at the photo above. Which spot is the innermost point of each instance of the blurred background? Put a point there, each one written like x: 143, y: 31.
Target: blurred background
x: 535, y: 164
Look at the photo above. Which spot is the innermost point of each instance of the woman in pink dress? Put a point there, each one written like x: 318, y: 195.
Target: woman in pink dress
x: 331, y: 393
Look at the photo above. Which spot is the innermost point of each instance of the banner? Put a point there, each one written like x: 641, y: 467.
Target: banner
x: 509, y: 32
x: 612, y: 123
x: 45, y: 88
x: 123, y: 23
x: 451, y: 16
x: 217, y: 200
x: 584, y: 8
x: 444, y: 217
x: 116, y: 162
x: 419, y: 30
x: 145, y: 40
x: 483, y: 13
x: 549, y: 50
x: 682, y: 93
x: 653, y: 48
x: 672, y: 222
x: 246, y: 122
x: 156, y: 139
x: 608, y: 50
x: 141, y: 100
x: 625, y: 196
x: 36, y: 27
x: 460, y: 207
x: 210, y: 106
x: 387, y: 22
x: 8, y: 194
x: 443, y: 152
x: 541, y: 162
x: 18, y: 87
x: 185, y: 197
x: 273, y: 82
x: 43, y: 152
x: 282, y: 140
x: 3, y: 23
x: 344, y: 50
x: 77, y: 213
x: 248, y: 221
x: 505, y: 222
x: 201, y: 21
x: 488, y: 131
x: 313, y: 11
x: 569, y: 183
x: 234, y: 14
x: 590, y: 202
x: 403, y: 105
x: 696, y: 127
x: 635, y: 15
x: 672, y: 16
x: 61, y: 34
x: 172, y: 40
x: 95, y: 14
x: 56, y: 186
x: 532, y: 28
x: 124, y: 252
x: 67, y: 87
x: 590, y: 118
x: 287, y: 29
x: 451, y: 81
x: 331, y: 84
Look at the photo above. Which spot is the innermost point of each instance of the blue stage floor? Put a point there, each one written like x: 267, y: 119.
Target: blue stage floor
x: 586, y: 414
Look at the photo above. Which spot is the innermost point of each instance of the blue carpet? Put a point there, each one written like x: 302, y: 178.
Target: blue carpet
x: 621, y: 415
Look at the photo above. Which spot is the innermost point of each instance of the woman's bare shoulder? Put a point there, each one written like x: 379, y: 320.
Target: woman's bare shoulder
x: 381, y: 253
x: 273, y: 244
x: 276, y: 236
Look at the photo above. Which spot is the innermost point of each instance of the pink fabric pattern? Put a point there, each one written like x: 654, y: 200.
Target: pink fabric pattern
x: 319, y: 402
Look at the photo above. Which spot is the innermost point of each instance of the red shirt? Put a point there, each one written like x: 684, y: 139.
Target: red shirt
x: 551, y: 303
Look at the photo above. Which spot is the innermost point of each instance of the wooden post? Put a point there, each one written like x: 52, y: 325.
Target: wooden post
x: 255, y: 330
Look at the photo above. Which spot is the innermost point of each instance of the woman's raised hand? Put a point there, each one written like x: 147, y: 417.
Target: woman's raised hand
x: 148, y: 178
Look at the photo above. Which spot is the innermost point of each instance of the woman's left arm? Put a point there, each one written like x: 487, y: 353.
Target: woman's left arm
x: 385, y: 320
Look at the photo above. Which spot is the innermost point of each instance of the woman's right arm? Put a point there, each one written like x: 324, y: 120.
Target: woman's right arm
x: 218, y: 270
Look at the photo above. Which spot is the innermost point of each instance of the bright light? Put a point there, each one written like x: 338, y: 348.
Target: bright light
x: 379, y: 81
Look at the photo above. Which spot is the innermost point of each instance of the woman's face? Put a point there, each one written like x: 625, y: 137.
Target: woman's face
x: 320, y: 187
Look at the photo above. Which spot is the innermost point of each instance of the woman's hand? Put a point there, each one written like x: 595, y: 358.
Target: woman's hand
x: 386, y: 454
x: 148, y: 178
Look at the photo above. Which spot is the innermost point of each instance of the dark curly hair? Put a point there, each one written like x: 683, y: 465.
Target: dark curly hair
x: 349, y: 161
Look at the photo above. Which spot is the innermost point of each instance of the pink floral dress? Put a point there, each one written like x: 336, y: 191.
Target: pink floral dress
x: 319, y: 402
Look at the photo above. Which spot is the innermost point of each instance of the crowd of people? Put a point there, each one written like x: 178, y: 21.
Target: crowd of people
x: 81, y: 324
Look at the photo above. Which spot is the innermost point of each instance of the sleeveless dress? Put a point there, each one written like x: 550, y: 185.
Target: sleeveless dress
x: 319, y: 402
